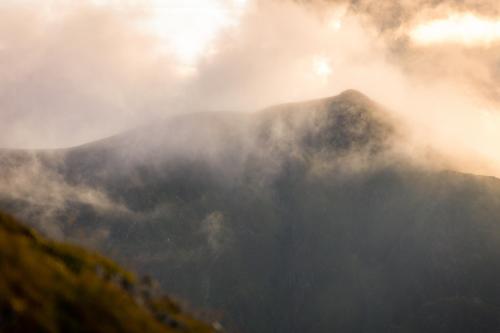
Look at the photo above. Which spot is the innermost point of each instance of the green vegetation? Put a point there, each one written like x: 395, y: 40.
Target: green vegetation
x: 52, y: 287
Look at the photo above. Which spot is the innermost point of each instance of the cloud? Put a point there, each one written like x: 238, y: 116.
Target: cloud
x: 27, y: 182
x: 215, y: 231
x: 77, y: 74
x: 88, y: 70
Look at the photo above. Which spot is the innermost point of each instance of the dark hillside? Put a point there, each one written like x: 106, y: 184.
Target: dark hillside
x: 304, y: 217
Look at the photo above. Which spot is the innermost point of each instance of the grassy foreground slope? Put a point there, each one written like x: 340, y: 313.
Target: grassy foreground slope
x: 47, y: 286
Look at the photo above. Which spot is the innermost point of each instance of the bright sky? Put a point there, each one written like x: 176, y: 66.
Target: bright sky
x: 188, y: 27
x: 466, y: 29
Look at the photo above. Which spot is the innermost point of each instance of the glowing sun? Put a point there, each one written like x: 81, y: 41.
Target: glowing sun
x: 321, y: 66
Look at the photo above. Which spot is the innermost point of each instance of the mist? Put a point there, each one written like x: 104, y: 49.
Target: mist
x: 81, y: 71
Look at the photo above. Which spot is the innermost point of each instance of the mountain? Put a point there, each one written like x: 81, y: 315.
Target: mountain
x: 303, y: 217
x: 47, y: 286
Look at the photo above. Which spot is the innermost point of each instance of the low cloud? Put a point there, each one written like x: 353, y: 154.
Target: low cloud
x: 44, y: 195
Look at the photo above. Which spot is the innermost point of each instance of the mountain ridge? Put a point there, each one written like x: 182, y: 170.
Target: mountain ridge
x: 303, y: 217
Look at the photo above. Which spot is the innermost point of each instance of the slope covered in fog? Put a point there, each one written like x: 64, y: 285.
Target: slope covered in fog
x: 304, y: 217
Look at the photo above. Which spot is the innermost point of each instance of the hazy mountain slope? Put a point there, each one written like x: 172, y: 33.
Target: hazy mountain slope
x: 304, y: 217
x: 53, y: 287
